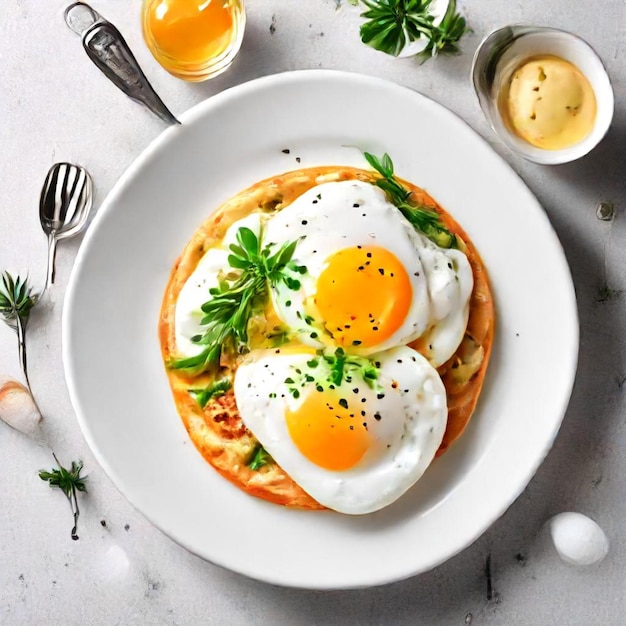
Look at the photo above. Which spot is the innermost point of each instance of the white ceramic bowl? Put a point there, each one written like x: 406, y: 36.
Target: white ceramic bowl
x: 505, y: 49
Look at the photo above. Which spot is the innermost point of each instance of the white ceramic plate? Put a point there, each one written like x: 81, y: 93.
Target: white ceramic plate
x: 119, y: 388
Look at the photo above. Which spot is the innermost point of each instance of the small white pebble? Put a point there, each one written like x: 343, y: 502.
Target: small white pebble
x: 577, y: 539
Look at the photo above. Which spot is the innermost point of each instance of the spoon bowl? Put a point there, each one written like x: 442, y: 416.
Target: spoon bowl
x: 64, y: 206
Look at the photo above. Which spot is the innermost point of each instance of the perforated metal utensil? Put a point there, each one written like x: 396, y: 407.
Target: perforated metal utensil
x: 64, y: 206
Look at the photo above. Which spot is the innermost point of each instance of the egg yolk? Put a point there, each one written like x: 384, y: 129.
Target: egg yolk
x: 328, y: 432
x: 191, y: 31
x: 363, y: 295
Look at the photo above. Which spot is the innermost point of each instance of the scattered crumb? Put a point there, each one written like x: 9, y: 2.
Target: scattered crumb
x: 520, y: 557
x: 595, y: 483
x: 606, y: 293
x: 126, y: 527
x: 469, y: 618
x: 273, y: 25
x: 20, y: 577
x: 605, y: 211
x: 54, y: 582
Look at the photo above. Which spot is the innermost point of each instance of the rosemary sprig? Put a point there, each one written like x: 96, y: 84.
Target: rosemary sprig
x: 69, y: 482
x: 234, y: 301
x: 16, y: 303
x: 392, y: 24
x: 426, y: 220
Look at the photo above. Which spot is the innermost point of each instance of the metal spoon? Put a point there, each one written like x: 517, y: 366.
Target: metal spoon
x: 106, y: 47
x: 64, y: 206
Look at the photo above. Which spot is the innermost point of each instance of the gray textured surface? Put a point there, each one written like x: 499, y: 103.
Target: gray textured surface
x: 55, y: 106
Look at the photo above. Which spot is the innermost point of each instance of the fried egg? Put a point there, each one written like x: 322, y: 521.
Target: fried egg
x: 353, y: 447
x: 372, y: 281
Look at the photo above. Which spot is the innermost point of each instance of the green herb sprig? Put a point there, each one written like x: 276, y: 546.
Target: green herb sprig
x: 426, y: 220
x: 69, y: 482
x: 215, y: 390
x: 330, y: 370
x: 258, y: 458
x: 392, y: 24
x: 17, y: 300
x: 234, y: 301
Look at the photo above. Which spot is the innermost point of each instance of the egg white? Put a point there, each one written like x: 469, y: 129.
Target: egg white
x: 337, y: 215
x: 413, y: 415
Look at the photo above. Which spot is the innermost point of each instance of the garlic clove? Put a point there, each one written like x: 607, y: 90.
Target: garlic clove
x: 17, y: 407
x: 577, y: 539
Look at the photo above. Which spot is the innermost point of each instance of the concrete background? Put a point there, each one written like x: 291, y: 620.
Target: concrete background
x: 54, y: 106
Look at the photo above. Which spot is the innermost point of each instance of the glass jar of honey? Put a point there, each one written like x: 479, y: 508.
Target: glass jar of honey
x: 194, y: 39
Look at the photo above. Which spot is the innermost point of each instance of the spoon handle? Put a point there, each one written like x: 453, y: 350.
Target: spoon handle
x: 106, y: 47
x: 52, y: 252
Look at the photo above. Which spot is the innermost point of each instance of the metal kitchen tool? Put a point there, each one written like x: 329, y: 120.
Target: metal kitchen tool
x: 66, y: 199
x: 106, y: 47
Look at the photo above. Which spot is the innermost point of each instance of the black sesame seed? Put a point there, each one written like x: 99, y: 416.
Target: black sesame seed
x: 378, y: 417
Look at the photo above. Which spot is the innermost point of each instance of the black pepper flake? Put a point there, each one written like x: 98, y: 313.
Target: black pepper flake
x: 374, y: 327
x: 406, y: 390
x: 277, y: 351
x: 319, y: 196
x: 360, y: 268
x: 362, y: 413
x: 351, y: 427
x: 363, y: 399
x: 314, y: 201
x: 356, y: 342
x: 356, y: 390
x: 356, y: 205
x: 377, y: 364
x: 343, y: 402
x: 286, y: 151
x: 416, y: 274
x: 381, y: 271
x: 378, y: 417
x: 399, y: 361
x: 359, y: 247
x: 298, y: 159
x: 304, y: 222
x: 319, y: 388
x: 346, y: 326
x: 380, y: 396
x: 369, y: 255
x: 313, y: 335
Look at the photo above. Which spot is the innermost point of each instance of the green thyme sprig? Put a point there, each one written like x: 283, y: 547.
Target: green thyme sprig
x: 17, y: 300
x: 234, y: 301
x: 392, y: 24
x: 69, y: 482
x: 426, y: 220
x: 329, y: 371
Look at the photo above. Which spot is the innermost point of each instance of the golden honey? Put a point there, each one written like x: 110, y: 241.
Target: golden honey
x: 193, y: 39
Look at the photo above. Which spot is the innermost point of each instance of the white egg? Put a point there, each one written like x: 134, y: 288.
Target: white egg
x: 577, y: 539
x: 340, y: 216
x: 195, y: 291
x: 353, y: 448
